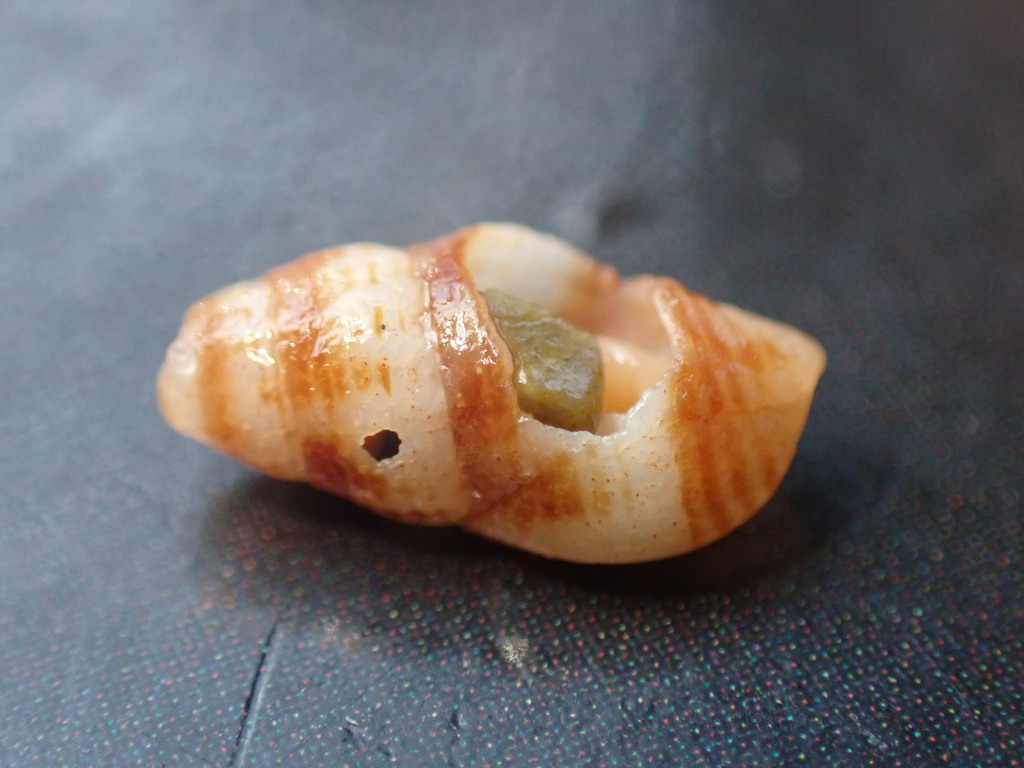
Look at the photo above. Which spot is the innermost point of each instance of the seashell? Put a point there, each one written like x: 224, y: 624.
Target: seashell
x: 376, y: 373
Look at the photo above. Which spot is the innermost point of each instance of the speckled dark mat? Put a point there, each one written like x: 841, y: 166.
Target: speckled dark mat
x: 856, y: 169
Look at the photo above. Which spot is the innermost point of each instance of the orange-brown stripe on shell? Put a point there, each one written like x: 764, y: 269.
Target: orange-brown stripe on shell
x: 730, y: 461
x: 314, y: 375
x: 483, y: 409
x: 713, y: 366
x: 219, y: 424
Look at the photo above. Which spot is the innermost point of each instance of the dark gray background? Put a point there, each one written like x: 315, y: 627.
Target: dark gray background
x: 855, y: 168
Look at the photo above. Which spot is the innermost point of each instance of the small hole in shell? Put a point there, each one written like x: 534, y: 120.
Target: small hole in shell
x: 382, y: 445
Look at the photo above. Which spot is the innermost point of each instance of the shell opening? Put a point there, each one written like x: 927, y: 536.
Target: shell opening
x: 636, y: 350
x: 382, y: 445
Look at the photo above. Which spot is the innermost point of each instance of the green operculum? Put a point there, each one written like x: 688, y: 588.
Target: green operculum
x: 558, y: 374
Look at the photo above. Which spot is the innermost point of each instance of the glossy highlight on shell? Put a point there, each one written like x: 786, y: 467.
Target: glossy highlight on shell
x: 376, y: 373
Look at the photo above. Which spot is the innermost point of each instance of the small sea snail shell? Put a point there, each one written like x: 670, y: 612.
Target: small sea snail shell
x: 377, y: 374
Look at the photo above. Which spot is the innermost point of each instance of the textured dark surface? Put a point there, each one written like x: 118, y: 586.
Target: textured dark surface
x: 856, y: 171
